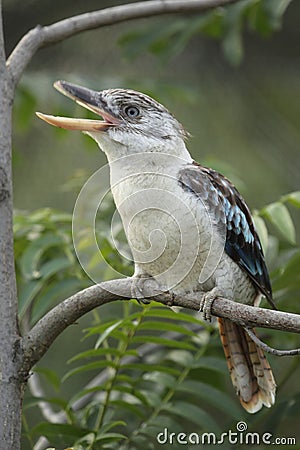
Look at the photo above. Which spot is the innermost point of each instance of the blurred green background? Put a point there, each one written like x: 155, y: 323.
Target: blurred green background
x: 243, y: 117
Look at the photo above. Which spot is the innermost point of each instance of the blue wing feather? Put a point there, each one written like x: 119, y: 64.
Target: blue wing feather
x: 242, y: 241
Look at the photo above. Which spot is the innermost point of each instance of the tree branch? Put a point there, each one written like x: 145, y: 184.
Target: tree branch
x: 10, y: 358
x: 37, y: 341
x: 42, y: 36
x: 2, y: 47
x: 268, y: 349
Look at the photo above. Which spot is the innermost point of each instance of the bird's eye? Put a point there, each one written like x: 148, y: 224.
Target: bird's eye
x: 132, y: 112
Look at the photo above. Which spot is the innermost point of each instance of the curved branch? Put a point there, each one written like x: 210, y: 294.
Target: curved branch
x: 268, y: 349
x: 37, y: 341
x: 42, y: 36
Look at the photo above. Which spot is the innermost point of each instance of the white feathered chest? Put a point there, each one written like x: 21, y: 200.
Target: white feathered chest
x: 170, y: 231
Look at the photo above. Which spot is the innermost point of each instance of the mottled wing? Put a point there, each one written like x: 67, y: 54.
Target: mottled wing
x: 242, y: 242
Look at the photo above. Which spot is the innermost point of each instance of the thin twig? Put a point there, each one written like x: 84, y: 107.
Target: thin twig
x: 43, y: 36
x: 268, y: 349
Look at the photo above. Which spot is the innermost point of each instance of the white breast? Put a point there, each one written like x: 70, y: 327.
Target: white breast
x: 170, y: 232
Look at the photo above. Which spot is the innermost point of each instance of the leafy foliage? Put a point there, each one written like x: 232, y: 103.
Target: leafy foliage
x: 225, y: 24
x: 281, y: 249
x: 46, y: 265
x: 153, y: 368
x: 148, y: 376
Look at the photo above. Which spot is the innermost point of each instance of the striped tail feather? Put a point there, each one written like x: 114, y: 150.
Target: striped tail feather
x: 249, y: 369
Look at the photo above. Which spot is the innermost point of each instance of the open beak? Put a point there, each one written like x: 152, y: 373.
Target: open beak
x: 87, y: 98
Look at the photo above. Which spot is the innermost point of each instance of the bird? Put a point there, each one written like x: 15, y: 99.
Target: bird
x: 187, y: 225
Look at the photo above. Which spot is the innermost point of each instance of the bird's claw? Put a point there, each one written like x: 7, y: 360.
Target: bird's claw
x: 137, y: 289
x: 206, y: 303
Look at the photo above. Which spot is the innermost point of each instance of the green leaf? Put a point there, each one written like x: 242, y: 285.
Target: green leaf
x: 194, y: 414
x: 87, y: 367
x: 58, y: 217
x: 167, y: 313
x: 152, y: 38
x: 211, y: 24
x: 132, y: 392
x: 34, y: 251
x: 161, y: 379
x: 108, y: 331
x: 109, y: 437
x: 52, y: 429
x: 259, y: 18
x: 55, y: 265
x: 165, y: 326
x: 142, y: 367
x: 280, y: 217
x: 211, y: 363
x: 57, y: 401
x: 32, y: 287
x: 136, y: 410
x: 122, y: 378
x: 95, y: 353
x: 54, y: 292
x: 232, y: 46
x: 262, y: 231
x: 274, y: 11
x: 154, y: 398
x: 173, y: 343
x: 83, y: 393
x: 293, y: 198
x: 181, y: 357
x: 211, y: 396
x: 32, y: 401
x: 27, y: 294
x: 113, y: 324
x: 163, y: 420
x: 50, y: 375
x: 289, y: 275
x: 109, y: 426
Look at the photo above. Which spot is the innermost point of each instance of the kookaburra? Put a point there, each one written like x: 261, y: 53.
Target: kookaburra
x: 187, y: 225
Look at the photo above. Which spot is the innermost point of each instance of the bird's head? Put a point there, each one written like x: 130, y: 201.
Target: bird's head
x: 132, y: 122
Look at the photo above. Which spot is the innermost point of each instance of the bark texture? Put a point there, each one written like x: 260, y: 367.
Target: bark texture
x: 10, y: 354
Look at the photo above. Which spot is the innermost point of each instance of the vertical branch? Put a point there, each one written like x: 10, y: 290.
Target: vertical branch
x: 10, y: 384
x: 2, y: 50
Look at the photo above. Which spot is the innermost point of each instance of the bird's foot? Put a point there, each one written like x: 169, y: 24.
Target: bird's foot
x: 206, y: 303
x: 137, y: 288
